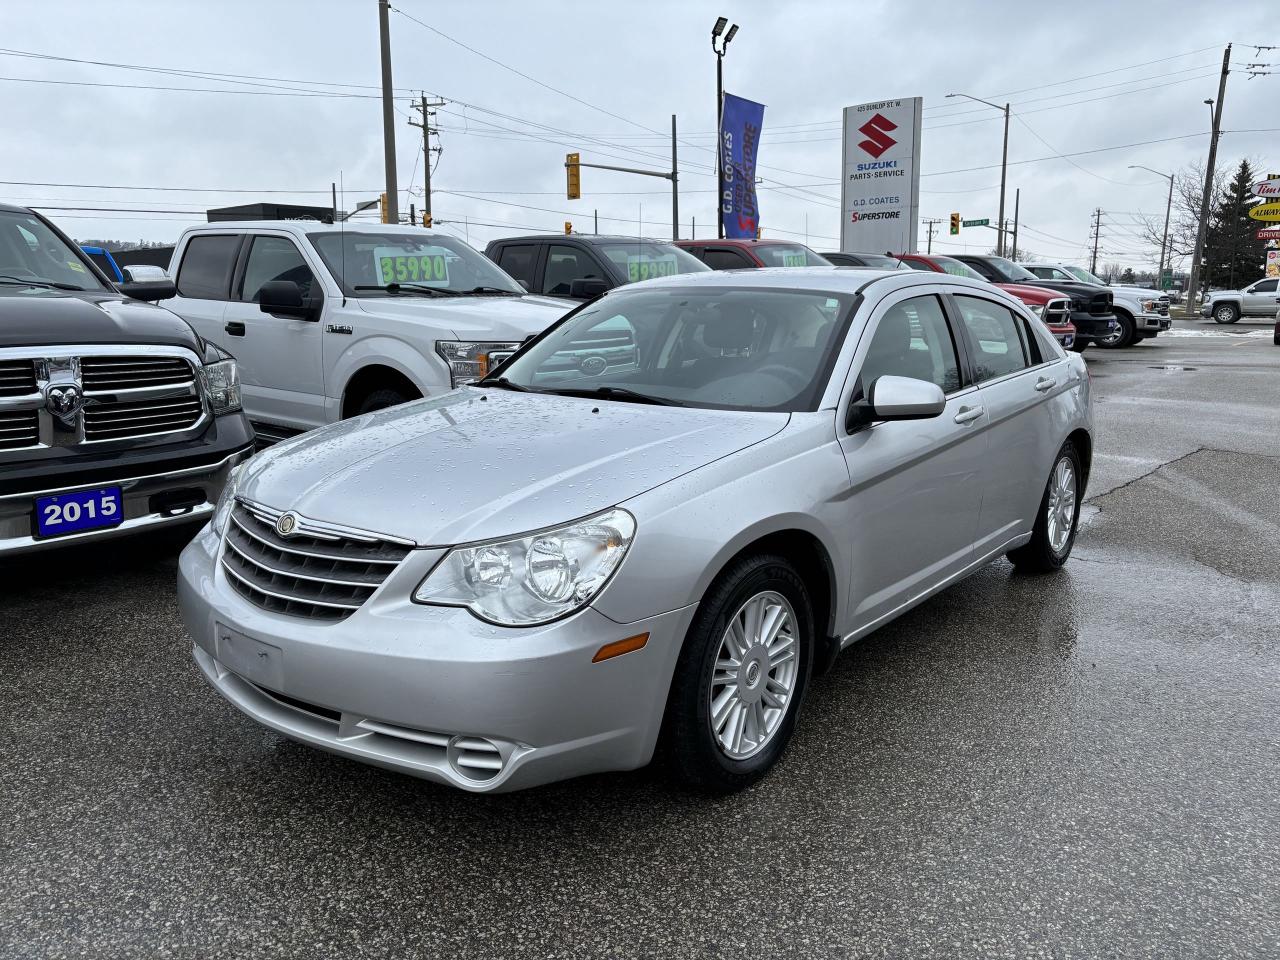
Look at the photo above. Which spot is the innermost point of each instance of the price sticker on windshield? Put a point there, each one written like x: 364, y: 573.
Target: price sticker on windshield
x: 644, y: 267
x: 422, y: 265
x: 794, y: 260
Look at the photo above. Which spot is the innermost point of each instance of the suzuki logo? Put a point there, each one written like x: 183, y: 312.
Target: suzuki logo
x: 64, y: 401
x: 877, y: 141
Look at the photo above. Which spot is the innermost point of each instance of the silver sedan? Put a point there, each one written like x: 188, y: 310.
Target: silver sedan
x: 646, y: 531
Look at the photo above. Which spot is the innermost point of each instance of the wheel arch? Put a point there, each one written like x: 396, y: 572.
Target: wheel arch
x: 1083, y: 442
x: 371, y: 377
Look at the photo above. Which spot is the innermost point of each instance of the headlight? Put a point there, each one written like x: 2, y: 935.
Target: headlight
x: 470, y: 361
x: 222, y: 386
x: 1037, y: 309
x: 535, y: 578
x: 1148, y: 306
x: 228, y: 498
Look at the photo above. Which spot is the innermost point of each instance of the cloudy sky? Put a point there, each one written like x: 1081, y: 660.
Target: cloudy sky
x: 275, y: 99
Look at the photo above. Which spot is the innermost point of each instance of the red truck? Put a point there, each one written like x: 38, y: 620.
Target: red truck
x: 1052, y: 307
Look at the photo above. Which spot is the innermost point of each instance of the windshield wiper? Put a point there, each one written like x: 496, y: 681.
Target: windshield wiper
x: 55, y: 284
x: 398, y: 288
x: 482, y: 289
x: 617, y: 393
x: 505, y: 384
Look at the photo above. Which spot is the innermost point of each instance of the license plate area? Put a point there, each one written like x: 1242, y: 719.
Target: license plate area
x: 65, y: 513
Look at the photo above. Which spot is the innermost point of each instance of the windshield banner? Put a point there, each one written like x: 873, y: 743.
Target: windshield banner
x: 740, y: 123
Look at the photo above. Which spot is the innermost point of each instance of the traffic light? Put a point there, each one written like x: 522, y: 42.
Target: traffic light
x: 383, y: 205
x: 955, y: 224
x: 426, y: 220
x: 568, y: 227
x: 574, y: 173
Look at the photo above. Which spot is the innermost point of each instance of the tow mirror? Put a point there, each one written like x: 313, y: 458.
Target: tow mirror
x: 897, y: 398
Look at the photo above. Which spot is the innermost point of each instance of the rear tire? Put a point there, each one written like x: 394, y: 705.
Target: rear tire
x: 1226, y: 313
x: 692, y: 740
x: 381, y: 399
x: 1054, y: 533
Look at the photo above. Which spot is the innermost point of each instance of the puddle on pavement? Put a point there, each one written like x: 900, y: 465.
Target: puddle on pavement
x: 1170, y: 367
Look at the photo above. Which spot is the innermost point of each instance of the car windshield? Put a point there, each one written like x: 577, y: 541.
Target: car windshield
x: 32, y: 254
x: 366, y: 264
x: 643, y: 259
x: 725, y: 348
x: 1080, y: 273
x: 1011, y: 270
x: 958, y: 269
x: 882, y: 263
x: 789, y: 255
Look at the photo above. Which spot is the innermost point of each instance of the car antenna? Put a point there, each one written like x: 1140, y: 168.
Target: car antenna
x: 342, y: 240
x: 889, y: 253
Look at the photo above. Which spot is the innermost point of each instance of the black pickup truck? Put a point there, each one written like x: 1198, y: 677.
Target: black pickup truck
x: 1091, y: 305
x: 114, y: 416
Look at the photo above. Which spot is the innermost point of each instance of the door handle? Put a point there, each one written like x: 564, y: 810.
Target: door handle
x: 235, y: 328
x: 969, y: 414
x: 1045, y: 383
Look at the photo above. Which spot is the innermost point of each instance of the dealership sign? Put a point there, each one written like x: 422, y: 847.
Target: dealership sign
x: 740, y: 124
x: 1265, y: 211
x: 1267, y: 188
x: 880, y: 183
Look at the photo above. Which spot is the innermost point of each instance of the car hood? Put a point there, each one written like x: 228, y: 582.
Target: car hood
x: 475, y: 463
x: 1029, y: 294
x: 1070, y: 287
x: 57, y: 317
x: 473, y: 318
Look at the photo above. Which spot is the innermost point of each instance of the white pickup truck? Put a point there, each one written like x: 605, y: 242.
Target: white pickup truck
x: 328, y: 321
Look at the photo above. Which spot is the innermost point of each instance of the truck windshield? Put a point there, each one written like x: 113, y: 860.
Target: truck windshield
x: 369, y: 264
x: 1080, y: 273
x: 789, y: 255
x: 32, y: 254
x: 643, y: 259
x: 711, y: 346
x: 1011, y: 270
x: 958, y: 269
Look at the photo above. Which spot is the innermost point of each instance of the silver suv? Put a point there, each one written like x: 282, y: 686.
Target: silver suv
x: 578, y: 560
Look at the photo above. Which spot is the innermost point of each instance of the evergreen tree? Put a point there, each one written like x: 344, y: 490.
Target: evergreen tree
x: 1233, y: 255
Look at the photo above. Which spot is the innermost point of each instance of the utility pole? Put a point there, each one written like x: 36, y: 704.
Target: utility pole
x: 1097, y: 234
x: 425, y: 107
x: 930, y: 223
x: 392, y: 212
x: 1206, y: 198
x: 1017, y: 200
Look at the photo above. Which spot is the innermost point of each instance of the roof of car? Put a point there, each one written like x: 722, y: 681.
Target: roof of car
x: 314, y: 226
x: 581, y: 237
x: 738, y: 242
x: 831, y: 279
x: 10, y: 208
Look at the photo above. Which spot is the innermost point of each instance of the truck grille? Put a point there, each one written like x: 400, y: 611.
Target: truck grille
x: 128, y: 373
x: 1057, y: 312
x: 312, y: 574
x: 107, y: 420
x: 19, y: 428
x: 17, y: 378
x: 1100, y: 304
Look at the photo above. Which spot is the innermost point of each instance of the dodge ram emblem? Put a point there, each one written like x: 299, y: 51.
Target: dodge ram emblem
x: 593, y: 366
x: 64, y: 401
x: 287, y: 523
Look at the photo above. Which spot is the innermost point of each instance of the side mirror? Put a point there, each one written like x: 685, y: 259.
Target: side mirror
x: 897, y: 398
x: 148, y: 289
x: 142, y: 272
x: 587, y: 289
x: 283, y: 298
x: 525, y: 284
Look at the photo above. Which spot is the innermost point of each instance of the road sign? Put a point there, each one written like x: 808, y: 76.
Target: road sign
x: 1265, y: 211
x: 984, y: 222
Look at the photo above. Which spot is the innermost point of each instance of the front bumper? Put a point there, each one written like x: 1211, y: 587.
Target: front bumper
x: 1152, y: 322
x: 181, y: 494
x: 1090, y: 327
x: 432, y: 691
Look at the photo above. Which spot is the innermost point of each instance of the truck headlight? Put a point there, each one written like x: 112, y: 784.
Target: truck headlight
x: 222, y: 386
x: 534, y: 578
x: 1149, y: 306
x: 469, y: 361
x: 225, y: 502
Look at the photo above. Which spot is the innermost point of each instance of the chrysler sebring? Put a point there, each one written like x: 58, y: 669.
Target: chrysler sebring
x: 645, y: 531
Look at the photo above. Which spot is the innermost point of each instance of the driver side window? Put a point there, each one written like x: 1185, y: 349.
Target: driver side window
x: 913, y: 340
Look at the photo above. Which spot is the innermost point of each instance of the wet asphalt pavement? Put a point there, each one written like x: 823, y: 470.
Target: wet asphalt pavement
x: 1084, y: 765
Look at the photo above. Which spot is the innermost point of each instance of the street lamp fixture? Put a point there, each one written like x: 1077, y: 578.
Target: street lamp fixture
x: 1168, y: 206
x: 720, y: 48
x: 721, y: 23
x: 1004, y: 162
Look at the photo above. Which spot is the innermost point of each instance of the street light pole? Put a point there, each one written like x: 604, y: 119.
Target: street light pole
x: 720, y: 46
x: 392, y: 213
x: 1164, y: 241
x: 1004, y: 163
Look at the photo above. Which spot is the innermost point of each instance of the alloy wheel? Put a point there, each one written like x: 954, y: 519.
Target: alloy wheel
x: 1061, y: 506
x: 755, y: 675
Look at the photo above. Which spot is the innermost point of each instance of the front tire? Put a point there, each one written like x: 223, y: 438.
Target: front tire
x: 741, y: 676
x: 381, y: 399
x: 1125, y: 331
x: 1054, y: 533
x: 1226, y: 313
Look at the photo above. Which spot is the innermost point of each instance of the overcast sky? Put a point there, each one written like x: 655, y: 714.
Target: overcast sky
x: 634, y: 65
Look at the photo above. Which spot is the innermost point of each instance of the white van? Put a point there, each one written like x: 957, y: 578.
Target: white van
x: 328, y: 321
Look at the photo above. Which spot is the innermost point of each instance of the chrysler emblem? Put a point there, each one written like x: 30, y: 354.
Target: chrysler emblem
x: 287, y: 523
x: 63, y: 400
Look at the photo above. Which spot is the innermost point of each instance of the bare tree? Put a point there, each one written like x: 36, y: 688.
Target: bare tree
x: 1184, y: 221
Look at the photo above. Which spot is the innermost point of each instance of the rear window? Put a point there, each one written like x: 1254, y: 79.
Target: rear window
x: 789, y: 255
x: 205, y: 272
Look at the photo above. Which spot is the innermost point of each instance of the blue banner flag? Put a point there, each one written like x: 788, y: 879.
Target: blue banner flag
x: 740, y: 124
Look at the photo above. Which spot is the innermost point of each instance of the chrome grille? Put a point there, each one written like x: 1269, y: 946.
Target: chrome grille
x: 129, y: 373
x: 107, y: 420
x: 17, y: 378
x: 1057, y: 311
x: 19, y: 428
x: 314, y: 574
